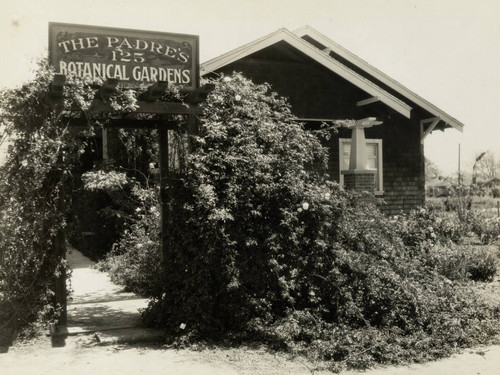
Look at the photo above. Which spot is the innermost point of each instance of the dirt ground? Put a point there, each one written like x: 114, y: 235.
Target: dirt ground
x: 83, y: 355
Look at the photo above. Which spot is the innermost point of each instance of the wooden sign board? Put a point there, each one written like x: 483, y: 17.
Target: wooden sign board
x: 131, y: 56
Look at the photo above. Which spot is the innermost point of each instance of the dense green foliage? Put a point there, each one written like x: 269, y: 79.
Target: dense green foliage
x: 37, y: 171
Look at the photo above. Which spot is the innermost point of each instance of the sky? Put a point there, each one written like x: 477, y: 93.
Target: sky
x: 447, y: 51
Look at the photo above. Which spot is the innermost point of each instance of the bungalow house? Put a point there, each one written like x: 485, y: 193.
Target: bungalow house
x: 326, y: 83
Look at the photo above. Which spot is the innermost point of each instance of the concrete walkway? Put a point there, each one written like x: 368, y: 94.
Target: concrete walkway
x: 98, y: 306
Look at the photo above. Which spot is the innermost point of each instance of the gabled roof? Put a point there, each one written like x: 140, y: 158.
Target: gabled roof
x: 314, y: 53
x: 324, y: 58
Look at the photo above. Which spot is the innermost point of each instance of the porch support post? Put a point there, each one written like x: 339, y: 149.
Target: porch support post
x: 357, y: 160
x: 359, y: 177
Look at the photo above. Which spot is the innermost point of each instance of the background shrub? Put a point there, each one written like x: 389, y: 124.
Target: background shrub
x: 486, y: 227
x: 483, y: 265
x: 463, y: 262
x: 427, y: 226
x: 495, y: 192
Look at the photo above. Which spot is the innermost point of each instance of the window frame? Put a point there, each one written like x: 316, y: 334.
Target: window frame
x: 380, y: 171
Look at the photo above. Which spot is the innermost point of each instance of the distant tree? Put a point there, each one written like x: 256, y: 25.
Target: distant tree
x: 486, y: 166
x: 431, y: 170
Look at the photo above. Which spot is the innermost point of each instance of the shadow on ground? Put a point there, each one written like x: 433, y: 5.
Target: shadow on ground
x: 105, y: 315
x: 7, y: 337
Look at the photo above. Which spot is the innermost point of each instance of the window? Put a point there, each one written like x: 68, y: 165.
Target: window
x: 373, y: 154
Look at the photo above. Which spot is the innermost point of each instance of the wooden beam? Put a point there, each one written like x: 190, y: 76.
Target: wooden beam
x: 303, y: 119
x: 59, y: 248
x: 368, y: 101
x: 424, y: 133
x: 105, y: 144
x: 56, y: 88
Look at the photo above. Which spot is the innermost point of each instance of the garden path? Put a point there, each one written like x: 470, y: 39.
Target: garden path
x: 96, y: 305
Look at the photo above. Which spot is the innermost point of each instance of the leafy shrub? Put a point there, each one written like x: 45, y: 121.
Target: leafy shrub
x: 482, y: 266
x: 236, y: 210
x: 495, y: 192
x: 433, y: 203
x: 425, y: 227
x: 262, y: 246
x: 463, y: 262
x: 103, y: 208
x: 442, y: 329
x: 490, y: 231
x: 105, y: 203
x: 486, y: 227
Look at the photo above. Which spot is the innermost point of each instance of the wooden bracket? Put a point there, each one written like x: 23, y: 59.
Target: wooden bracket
x: 425, y: 132
x: 56, y: 91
